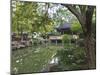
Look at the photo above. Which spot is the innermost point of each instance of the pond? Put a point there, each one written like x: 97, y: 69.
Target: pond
x: 54, y: 61
x: 33, y: 59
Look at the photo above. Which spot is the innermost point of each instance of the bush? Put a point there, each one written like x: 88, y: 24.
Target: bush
x: 66, y: 38
x: 71, y: 58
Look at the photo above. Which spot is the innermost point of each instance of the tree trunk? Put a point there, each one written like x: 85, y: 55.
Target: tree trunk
x: 89, y: 40
x: 90, y: 51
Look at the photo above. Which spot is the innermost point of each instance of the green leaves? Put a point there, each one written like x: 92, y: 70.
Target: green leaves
x: 66, y: 38
x: 29, y: 16
x: 76, y: 27
x: 71, y: 58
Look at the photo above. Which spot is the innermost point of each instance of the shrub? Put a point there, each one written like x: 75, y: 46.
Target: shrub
x: 71, y: 58
x: 66, y: 38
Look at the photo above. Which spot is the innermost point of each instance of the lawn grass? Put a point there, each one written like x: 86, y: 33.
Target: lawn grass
x: 32, y: 59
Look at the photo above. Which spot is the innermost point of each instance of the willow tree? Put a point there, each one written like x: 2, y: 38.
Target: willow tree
x: 85, y: 15
x: 23, y: 16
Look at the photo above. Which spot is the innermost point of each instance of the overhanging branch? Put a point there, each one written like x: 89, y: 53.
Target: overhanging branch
x: 78, y: 15
x: 72, y: 9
